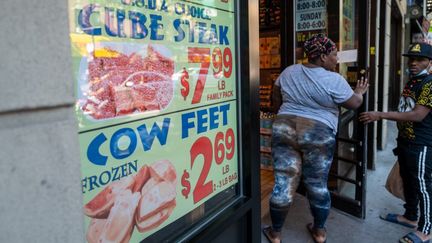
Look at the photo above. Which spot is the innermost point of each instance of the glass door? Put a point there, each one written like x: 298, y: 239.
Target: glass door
x: 340, y: 20
x: 347, y: 180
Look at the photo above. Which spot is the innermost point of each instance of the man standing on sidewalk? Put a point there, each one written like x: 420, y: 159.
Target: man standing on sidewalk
x: 414, y: 144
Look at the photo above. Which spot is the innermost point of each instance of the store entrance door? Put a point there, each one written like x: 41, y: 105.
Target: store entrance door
x: 347, y: 178
x: 346, y: 23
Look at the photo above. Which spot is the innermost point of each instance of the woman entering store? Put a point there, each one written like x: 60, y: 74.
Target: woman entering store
x: 303, y: 142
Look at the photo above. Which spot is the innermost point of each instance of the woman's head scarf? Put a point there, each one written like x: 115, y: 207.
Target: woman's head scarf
x: 318, y: 44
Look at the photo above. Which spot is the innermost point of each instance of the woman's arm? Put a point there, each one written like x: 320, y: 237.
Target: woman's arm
x: 357, y: 98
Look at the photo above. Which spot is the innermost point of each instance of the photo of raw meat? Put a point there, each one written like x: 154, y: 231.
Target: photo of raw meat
x: 101, y: 204
x: 119, y: 224
x: 156, y: 204
x: 118, y: 79
x: 144, y: 200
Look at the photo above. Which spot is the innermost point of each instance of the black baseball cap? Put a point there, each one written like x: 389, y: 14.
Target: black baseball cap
x: 419, y: 50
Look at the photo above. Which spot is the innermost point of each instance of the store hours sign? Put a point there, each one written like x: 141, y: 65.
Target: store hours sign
x: 311, y: 15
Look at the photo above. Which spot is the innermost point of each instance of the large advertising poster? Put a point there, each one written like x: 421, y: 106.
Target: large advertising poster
x: 156, y: 104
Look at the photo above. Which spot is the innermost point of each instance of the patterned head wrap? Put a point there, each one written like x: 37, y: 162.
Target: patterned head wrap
x: 318, y: 44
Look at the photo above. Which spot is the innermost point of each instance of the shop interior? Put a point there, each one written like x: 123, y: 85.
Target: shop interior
x: 270, y: 68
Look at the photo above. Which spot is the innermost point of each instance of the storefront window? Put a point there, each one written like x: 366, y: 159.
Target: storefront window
x: 156, y: 102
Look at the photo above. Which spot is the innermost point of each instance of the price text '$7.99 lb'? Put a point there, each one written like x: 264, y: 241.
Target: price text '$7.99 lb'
x: 222, y: 61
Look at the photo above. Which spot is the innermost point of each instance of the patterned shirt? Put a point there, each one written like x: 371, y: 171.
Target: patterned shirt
x: 417, y: 91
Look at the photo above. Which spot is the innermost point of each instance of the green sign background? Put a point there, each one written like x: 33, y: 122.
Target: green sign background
x: 201, y: 120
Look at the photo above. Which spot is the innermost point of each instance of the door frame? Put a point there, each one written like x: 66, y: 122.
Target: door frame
x: 357, y: 206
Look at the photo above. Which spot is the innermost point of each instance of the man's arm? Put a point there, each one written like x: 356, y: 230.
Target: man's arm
x: 416, y: 115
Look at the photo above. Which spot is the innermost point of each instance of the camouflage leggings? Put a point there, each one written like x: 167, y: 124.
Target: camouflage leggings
x: 301, y: 147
